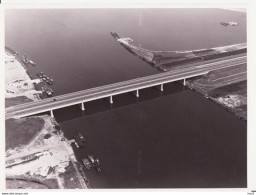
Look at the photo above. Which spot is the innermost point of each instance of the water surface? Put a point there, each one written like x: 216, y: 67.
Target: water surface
x: 173, y: 139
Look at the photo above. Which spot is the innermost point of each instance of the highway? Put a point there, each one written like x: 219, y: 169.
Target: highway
x: 107, y: 91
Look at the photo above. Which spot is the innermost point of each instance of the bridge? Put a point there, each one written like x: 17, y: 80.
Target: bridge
x: 108, y: 91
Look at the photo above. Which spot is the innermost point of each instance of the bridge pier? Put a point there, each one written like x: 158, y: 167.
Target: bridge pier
x: 184, y: 82
x: 82, y: 106
x: 137, y: 93
x: 161, y: 87
x: 51, y: 113
x: 111, y: 99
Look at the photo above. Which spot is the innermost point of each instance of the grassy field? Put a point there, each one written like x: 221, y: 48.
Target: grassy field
x: 21, y: 131
x: 220, y: 78
x: 238, y: 88
x: 16, y: 101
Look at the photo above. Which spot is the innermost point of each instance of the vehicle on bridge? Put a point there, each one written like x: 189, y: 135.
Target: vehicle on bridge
x: 108, y: 91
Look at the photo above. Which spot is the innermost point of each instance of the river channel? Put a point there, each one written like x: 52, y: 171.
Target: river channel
x: 170, y: 139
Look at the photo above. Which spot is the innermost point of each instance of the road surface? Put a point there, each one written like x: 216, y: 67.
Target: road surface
x: 79, y: 97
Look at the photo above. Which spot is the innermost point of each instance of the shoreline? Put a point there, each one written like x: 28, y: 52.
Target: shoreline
x: 165, y: 61
x: 26, y: 163
x: 211, y: 99
x: 18, y: 83
x: 44, y: 156
x: 171, y: 60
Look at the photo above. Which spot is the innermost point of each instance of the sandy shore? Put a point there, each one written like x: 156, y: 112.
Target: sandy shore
x: 17, y: 82
x: 45, y: 155
x: 38, y: 156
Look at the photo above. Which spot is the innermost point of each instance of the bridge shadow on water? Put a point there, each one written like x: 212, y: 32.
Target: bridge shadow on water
x: 176, y: 139
x: 119, y: 101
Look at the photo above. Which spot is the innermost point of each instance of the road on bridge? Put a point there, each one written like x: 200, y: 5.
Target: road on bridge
x: 79, y: 97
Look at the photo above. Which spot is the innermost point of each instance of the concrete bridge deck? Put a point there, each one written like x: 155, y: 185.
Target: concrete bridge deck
x: 108, y: 91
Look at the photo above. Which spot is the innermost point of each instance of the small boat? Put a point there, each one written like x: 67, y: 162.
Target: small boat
x: 229, y: 23
x: 87, y: 163
x: 91, y: 162
x: 25, y: 60
x: 224, y: 23
x: 49, y: 82
x: 48, y: 93
x: 31, y: 62
x: 49, y: 89
x: 80, y: 137
x: 39, y: 75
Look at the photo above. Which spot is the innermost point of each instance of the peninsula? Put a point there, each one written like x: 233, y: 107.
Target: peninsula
x: 226, y: 86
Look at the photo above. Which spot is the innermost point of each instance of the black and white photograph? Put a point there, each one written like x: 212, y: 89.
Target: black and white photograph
x: 126, y: 98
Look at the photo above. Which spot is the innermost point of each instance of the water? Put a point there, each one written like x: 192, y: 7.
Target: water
x: 171, y: 139
x: 75, y: 47
x: 176, y: 140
